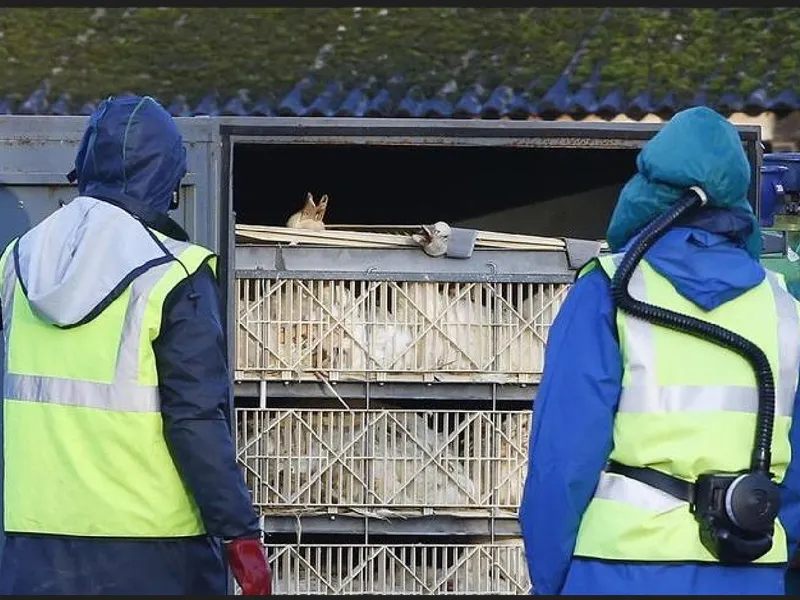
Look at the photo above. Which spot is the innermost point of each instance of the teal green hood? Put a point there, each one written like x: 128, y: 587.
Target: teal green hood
x: 698, y: 147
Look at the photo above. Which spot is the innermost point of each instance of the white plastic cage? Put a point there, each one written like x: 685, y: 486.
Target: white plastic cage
x: 383, y: 461
x: 290, y: 329
x: 488, y: 568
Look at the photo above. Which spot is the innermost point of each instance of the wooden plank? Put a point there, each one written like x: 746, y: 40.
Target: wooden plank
x: 482, y: 235
x: 337, y: 236
x: 243, y: 240
x: 394, y: 238
x: 284, y: 232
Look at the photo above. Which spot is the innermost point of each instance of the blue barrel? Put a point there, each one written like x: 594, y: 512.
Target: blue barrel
x: 772, y: 189
x: 790, y: 160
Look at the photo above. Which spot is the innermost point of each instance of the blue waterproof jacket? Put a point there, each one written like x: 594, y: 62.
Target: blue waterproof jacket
x: 121, y: 160
x: 711, y: 258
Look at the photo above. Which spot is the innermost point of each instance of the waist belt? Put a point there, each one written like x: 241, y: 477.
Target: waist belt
x: 677, y: 488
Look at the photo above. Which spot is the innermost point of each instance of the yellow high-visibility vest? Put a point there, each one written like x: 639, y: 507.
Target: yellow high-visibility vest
x: 85, y: 453
x: 688, y: 406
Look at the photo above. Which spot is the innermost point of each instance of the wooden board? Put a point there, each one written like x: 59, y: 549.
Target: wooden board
x: 383, y: 236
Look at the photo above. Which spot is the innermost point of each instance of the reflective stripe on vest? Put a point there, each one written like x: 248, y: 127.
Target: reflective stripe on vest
x: 686, y: 411
x: 643, y: 394
x: 59, y: 477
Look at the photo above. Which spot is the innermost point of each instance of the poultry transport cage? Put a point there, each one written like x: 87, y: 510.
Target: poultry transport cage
x: 339, y: 306
x: 369, y: 306
x: 386, y: 461
x: 330, y: 309
x: 452, y: 569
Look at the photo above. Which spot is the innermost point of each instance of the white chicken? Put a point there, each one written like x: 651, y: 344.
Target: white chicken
x: 486, y: 568
x: 365, y: 337
x: 333, y: 326
x: 317, y: 573
x: 454, y: 323
x: 378, y: 459
x: 508, y: 567
x: 350, y: 329
x: 248, y: 329
x: 297, y: 310
x: 303, y: 581
x: 311, y: 216
x: 413, y: 466
x: 248, y: 346
x: 260, y: 337
x: 433, y: 238
x: 523, y: 326
x: 512, y: 459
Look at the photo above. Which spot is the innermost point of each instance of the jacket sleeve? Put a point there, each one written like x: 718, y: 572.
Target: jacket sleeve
x: 191, y: 360
x: 571, y: 436
x: 790, y: 486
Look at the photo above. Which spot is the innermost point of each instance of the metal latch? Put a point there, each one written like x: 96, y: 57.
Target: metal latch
x: 579, y: 252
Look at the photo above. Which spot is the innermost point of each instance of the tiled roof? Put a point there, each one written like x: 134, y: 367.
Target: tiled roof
x: 400, y: 62
x: 401, y: 101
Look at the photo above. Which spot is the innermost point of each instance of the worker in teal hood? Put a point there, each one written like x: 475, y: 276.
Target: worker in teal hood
x: 710, y: 258
x: 698, y: 148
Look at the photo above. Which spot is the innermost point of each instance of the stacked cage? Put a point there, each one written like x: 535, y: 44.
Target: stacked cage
x: 384, y: 412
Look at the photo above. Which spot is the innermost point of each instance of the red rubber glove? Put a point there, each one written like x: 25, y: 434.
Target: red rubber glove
x: 250, y: 568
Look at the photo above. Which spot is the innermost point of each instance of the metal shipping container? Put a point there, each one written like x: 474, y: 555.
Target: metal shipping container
x: 322, y: 473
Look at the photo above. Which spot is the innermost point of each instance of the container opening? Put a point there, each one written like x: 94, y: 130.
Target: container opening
x: 537, y: 191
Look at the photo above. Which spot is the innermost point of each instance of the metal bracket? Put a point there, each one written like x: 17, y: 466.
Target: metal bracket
x: 461, y: 242
x: 579, y: 252
x: 774, y: 242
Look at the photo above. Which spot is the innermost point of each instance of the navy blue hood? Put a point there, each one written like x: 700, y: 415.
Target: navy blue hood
x: 705, y: 256
x: 132, y: 155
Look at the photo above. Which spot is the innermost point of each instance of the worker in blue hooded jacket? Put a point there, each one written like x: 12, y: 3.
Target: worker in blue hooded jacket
x: 619, y: 390
x: 120, y: 474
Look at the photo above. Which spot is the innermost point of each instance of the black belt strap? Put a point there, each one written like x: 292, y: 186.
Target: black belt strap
x: 678, y: 488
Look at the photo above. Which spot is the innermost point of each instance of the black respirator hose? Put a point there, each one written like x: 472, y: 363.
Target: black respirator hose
x: 762, y: 456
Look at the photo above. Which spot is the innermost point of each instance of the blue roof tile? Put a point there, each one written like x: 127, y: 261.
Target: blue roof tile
x: 397, y: 98
x: 730, y: 102
x: 292, y: 103
x: 584, y: 102
x: 411, y: 106
x: 61, y: 106
x: 469, y: 104
x: 262, y: 108
x: 208, y: 106
x: 87, y: 109
x: 498, y: 104
x: 180, y: 107
x: 784, y: 102
x: 326, y: 103
x: 612, y: 104
x: 237, y: 105
x: 520, y: 107
x: 756, y: 101
x: 640, y: 106
x: 380, y: 105
x: 36, y: 103
x: 555, y: 100
x: 668, y: 105
x: 355, y: 104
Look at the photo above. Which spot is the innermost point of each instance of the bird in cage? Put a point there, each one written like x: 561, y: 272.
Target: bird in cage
x: 322, y: 458
x: 311, y: 215
x: 457, y: 323
x: 433, y: 238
